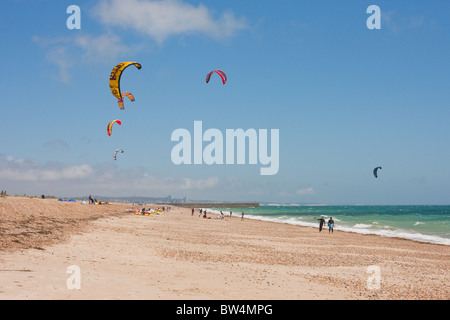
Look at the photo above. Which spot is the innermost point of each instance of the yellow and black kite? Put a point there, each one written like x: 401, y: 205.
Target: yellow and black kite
x: 114, y: 80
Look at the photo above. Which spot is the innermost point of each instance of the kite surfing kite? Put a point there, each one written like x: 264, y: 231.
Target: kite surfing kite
x: 116, y: 152
x: 375, y: 171
x: 220, y: 73
x: 114, y: 80
x: 110, y: 125
x: 129, y: 95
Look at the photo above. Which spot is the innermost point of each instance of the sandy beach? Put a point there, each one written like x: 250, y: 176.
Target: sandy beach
x: 45, y: 243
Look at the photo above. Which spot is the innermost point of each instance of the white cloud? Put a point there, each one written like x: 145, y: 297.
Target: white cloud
x: 157, y: 19
x: 29, y: 171
x: 198, y: 184
x: 306, y: 191
x: 65, y: 52
x: 161, y: 19
x: 28, y: 176
x: 59, y: 56
x: 104, y: 48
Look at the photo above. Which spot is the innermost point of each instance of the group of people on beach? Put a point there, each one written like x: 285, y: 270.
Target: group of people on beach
x: 3, y: 193
x: 221, y: 216
x: 330, y: 224
x: 201, y: 211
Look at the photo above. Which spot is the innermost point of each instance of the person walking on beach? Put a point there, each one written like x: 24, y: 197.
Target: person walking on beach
x: 321, y: 223
x: 192, y: 212
x: 242, y: 215
x: 331, y: 225
x: 91, y: 199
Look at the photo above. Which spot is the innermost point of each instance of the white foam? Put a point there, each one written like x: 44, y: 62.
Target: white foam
x: 362, y: 226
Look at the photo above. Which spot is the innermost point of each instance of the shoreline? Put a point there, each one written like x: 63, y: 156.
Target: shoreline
x: 397, y: 233
x: 374, y: 233
x: 177, y: 256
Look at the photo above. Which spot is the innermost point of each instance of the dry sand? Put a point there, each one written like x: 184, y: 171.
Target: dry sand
x: 175, y: 256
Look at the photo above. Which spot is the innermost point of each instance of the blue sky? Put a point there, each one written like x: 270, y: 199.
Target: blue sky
x: 344, y: 98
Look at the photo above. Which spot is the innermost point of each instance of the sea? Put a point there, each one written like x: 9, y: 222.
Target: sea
x: 427, y: 223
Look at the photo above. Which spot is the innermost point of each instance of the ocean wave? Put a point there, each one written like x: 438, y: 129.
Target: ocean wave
x: 362, y: 226
x: 397, y: 233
